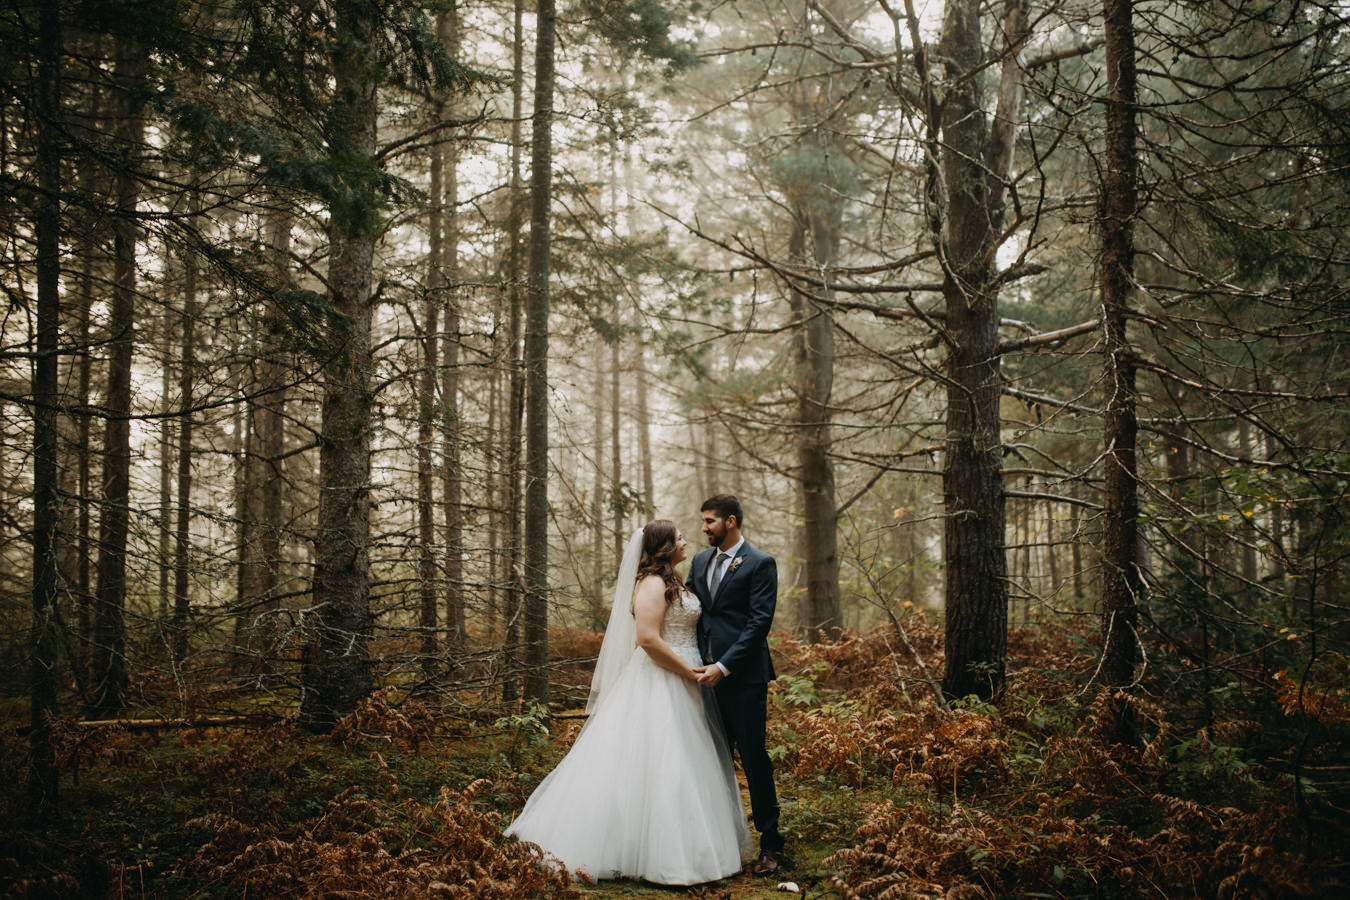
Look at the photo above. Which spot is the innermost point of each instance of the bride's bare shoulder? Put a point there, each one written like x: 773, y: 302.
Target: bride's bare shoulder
x: 650, y: 582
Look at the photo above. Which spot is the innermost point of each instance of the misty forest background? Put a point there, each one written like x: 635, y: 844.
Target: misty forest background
x: 345, y: 342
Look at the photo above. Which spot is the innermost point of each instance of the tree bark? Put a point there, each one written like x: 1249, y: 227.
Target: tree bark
x: 495, y: 493
x: 615, y: 451
x: 821, y: 613
x: 426, y: 408
x: 642, y: 412
x: 336, y: 672
x: 644, y: 430
x: 44, y: 643
x: 515, y: 594
x: 913, y: 549
x: 1051, y: 546
x: 271, y: 444
x: 181, y: 598
x: 80, y: 650
x: 1028, y: 526
x: 243, y: 434
x: 1247, y: 447
x: 1076, y: 551
x: 166, y: 468
x: 706, y: 435
x: 1278, y: 553
x: 536, y: 364
x: 451, y: 473
x: 599, y: 551
x: 110, y: 671
x: 616, y: 498
x: 88, y: 249
x: 1122, y: 583
x: 974, y: 160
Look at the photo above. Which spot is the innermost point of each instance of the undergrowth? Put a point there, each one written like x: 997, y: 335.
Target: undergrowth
x: 389, y: 804
x: 885, y: 793
x: 1033, y: 799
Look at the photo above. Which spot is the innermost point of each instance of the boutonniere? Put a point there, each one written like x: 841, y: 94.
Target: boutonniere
x: 735, y: 564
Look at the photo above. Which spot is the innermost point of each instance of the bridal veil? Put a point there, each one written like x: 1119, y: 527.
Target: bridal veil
x: 616, y: 650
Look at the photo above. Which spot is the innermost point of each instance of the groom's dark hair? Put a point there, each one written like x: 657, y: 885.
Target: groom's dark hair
x: 725, y: 506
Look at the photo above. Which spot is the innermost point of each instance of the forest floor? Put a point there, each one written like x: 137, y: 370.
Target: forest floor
x: 883, y: 793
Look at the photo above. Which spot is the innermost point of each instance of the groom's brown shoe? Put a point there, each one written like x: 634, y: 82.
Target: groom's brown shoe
x: 771, y: 863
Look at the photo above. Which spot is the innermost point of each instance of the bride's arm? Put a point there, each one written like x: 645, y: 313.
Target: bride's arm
x: 649, y: 610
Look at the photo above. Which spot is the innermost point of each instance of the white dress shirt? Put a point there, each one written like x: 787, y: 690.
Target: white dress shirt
x: 726, y: 563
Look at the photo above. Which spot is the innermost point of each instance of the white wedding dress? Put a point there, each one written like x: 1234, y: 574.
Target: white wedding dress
x: 648, y: 790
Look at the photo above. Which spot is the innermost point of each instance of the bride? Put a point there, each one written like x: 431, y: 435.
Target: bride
x: 647, y: 791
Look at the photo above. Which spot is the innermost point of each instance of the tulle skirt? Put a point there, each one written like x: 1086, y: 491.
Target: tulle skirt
x: 647, y: 791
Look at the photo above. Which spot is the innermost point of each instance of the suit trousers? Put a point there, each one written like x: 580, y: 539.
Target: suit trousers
x: 744, y: 713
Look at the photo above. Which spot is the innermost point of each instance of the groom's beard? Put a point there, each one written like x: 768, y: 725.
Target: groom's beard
x: 716, y: 536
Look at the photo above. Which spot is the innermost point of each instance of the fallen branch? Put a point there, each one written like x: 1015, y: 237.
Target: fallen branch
x: 163, y: 724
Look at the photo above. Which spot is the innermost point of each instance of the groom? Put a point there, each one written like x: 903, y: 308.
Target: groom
x: 737, y: 586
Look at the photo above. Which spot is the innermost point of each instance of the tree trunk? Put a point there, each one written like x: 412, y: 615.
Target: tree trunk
x: 258, y: 447
x: 973, y: 493
x: 451, y: 474
x: 271, y: 445
x: 1051, y: 548
x: 181, y: 600
x: 426, y: 406
x: 83, y: 424
x: 336, y: 672
x: 88, y: 249
x: 616, y: 494
x: 244, y: 453
x: 913, y: 545
x: 1278, y: 555
x: 974, y: 160
x: 1076, y: 550
x: 1122, y: 582
x: 598, y: 505
x: 515, y: 594
x: 110, y: 671
x: 166, y: 473
x: 45, y: 642
x: 536, y: 364
x: 708, y: 474
x: 615, y: 452
x: 641, y: 413
x: 1028, y: 528
x: 644, y: 430
x: 1249, y: 536
x: 822, y: 615
x: 495, y: 494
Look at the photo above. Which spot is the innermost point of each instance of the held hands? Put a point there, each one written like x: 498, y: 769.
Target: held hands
x: 708, y: 675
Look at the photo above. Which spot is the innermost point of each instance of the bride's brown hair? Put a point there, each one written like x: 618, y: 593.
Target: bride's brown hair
x: 658, y: 545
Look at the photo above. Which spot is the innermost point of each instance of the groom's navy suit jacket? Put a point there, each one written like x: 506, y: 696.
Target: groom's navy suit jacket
x: 734, y: 627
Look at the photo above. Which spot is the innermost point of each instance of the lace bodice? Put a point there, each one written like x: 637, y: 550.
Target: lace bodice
x: 680, y: 627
